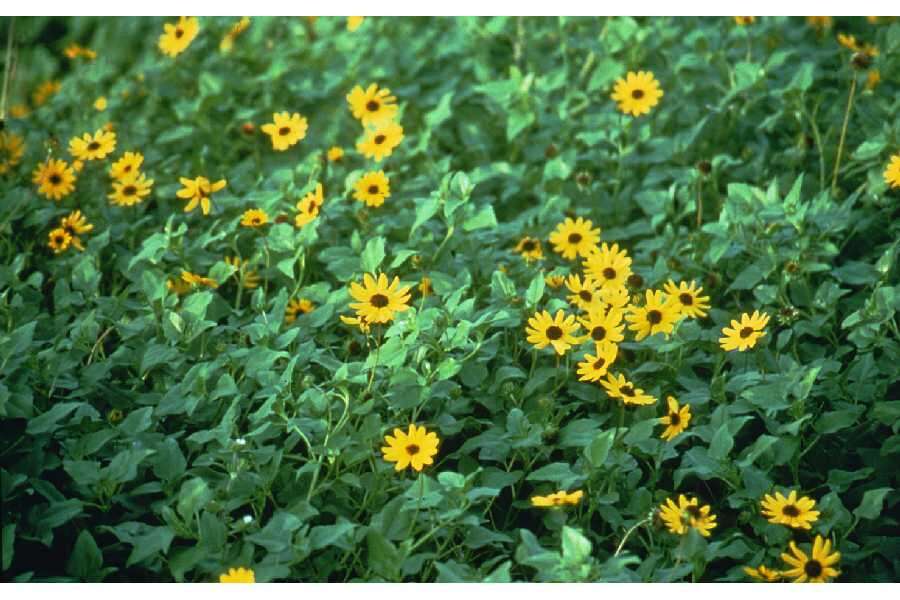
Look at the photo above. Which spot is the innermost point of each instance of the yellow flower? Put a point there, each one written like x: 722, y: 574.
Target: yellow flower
x: 178, y: 286
x: 892, y: 172
x: 658, y: 315
x: 193, y: 279
x: 76, y: 224
x: 603, y: 324
x: 814, y: 569
x: 198, y: 192
x: 297, y: 307
x: 95, y: 147
x: 608, y: 265
x: 44, y: 91
x: 380, y: 140
x: 689, y: 301
x: 557, y: 331
x: 55, y: 179
x: 554, y: 281
x: 372, y: 105
x: 687, y: 513
x: 425, y: 288
x: 873, y: 78
x: 335, y: 153
x: 248, y: 278
x: 376, y: 301
x: 575, y: 238
x: 560, y: 498
x: 743, y: 21
x: 309, y: 206
x: 356, y: 322
x: 176, y: 38
x: 286, y: 130
x: 100, y: 103
x: 820, y: 23
x: 18, y: 111
x: 791, y: 511
x: 239, y: 575
x: 127, y: 165
x: 637, y: 93
x: 744, y: 335
x: 677, y: 419
x: 530, y: 249
x: 415, y: 448
x: 353, y: 23
x: 372, y: 188
x: 130, y: 189
x: 73, y: 51
x: 615, y: 296
x: 585, y: 294
x: 593, y: 368
x: 851, y: 43
x: 237, y: 29
x: 254, y: 217
x: 59, y: 240
x: 12, y: 147
x: 763, y: 573
x: 617, y: 386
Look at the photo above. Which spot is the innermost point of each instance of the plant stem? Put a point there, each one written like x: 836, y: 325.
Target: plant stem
x: 7, y: 67
x: 837, y: 161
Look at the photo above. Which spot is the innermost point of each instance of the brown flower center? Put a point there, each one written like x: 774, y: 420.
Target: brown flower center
x: 412, y: 449
x: 574, y: 238
x: 654, y: 317
x: 94, y: 146
x: 598, y: 364
x: 554, y: 332
x: 790, y: 510
x: 686, y: 299
x: 379, y: 300
x: 813, y: 568
x: 372, y: 105
x: 746, y: 331
x: 598, y: 333
x: 55, y: 179
x: 694, y: 511
x: 585, y: 295
x: 179, y: 32
x: 627, y: 390
x: 284, y: 131
x: 674, y: 418
x: 637, y: 94
x: 373, y: 189
x: 129, y: 190
x: 528, y: 245
x: 59, y: 240
x: 379, y: 139
x: 127, y: 169
x: 609, y: 273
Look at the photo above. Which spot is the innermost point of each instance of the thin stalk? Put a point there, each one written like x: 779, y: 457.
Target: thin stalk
x: 7, y: 67
x: 837, y: 161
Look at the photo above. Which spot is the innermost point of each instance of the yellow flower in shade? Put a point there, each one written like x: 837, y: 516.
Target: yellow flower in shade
x: 851, y: 43
x: 603, y: 324
x: 560, y: 498
x: 356, y: 322
x: 193, y: 279
x: 892, y: 172
x: 425, y: 288
x: 78, y: 165
x: 575, y: 238
x: 93, y: 147
x: 76, y: 224
x: 177, y: 37
x: 239, y: 575
x: 372, y: 188
x: 376, y: 301
x: 372, y: 105
x: 687, y: 513
x: 286, y: 131
x: 248, y: 278
x: 309, y: 206
x: 813, y: 569
x: 617, y: 386
x: 198, y: 192
x: 530, y: 249
x: 55, y: 179
x: 820, y: 23
x: 415, y: 448
x: 689, y: 301
x: 615, y: 296
x: 254, y: 217
x: 379, y: 141
x: 676, y: 420
x: 73, y: 51
x: 335, y: 153
x: 59, y: 240
x: 130, y: 189
x: 558, y: 331
x: 12, y: 147
x: 658, y: 315
x: 126, y: 166
x: 791, y: 511
x: 637, y: 93
x: 873, y: 78
x: 301, y: 306
x: 608, y: 265
x: 100, y: 103
x: 593, y: 368
x: 353, y: 23
x: 763, y: 573
x: 44, y: 91
x: 237, y: 29
x: 744, y: 335
x: 744, y: 21
x: 554, y: 281
x: 178, y: 286
x: 18, y: 111
x: 585, y: 294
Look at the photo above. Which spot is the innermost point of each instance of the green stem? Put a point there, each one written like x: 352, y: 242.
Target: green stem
x: 837, y: 161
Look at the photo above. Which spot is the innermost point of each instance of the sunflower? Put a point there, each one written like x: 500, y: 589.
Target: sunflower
x: 130, y: 190
x: 637, y: 93
x: 585, y: 294
x: 254, y: 217
x: 248, y: 278
x: 603, y: 324
x: 237, y: 29
x: 558, y: 331
x: 309, y: 206
x: 100, y: 104
x: 763, y: 573
x: 615, y: 296
x: 356, y: 322
x: 12, y: 147
x: 814, y: 569
x: 560, y: 498
x: 554, y: 281
x: 425, y: 287
x: 372, y: 105
x: 287, y: 129
x: 239, y: 575
x: 744, y: 21
x: 93, y: 147
x: 76, y: 224
x: 353, y: 23
x: 380, y: 140
x: 193, y: 279
x: 687, y: 513
x: 593, y: 368
x: 530, y: 249
x: 819, y: 23
x: 608, y: 265
x: 55, y: 179
x: 44, y: 91
x: 19, y: 111
x: 873, y: 78
x: 178, y: 286
x: 892, y: 172
x: 335, y: 153
x: 198, y: 191
x: 73, y: 51
x: 59, y: 240
x: 415, y: 448
x: 376, y: 300
x: 372, y: 188
x: 301, y: 306
x: 176, y: 38
x: 689, y: 301
x: 617, y: 386
x: 575, y: 238
x: 658, y: 315
x: 126, y: 166
x: 677, y: 419
x: 744, y: 335
x: 791, y: 511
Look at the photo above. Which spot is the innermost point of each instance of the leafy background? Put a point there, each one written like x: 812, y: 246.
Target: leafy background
x: 248, y: 442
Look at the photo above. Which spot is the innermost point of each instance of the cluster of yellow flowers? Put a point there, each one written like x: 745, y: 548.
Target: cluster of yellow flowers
x: 376, y: 110
x: 130, y: 185
x: 70, y: 227
x: 12, y: 147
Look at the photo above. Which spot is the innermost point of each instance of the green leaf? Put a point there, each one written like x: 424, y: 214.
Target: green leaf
x: 8, y: 539
x: 86, y: 559
x: 872, y: 503
x: 535, y: 290
x: 485, y: 217
x: 598, y: 451
x: 48, y: 421
x: 424, y: 211
x: 575, y: 547
x: 372, y: 255
x: 722, y: 443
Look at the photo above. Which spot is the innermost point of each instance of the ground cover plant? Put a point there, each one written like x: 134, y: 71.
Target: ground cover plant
x: 475, y: 299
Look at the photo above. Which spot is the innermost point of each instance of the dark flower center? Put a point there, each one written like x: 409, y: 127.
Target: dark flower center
x: 585, y: 295
x: 609, y: 273
x: 94, y: 146
x: 412, y: 449
x: 284, y: 131
x: 372, y: 105
x: 654, y: 317
x: 55, y: 179
x: 129, y: 190
x: 790, y: 510
x: 379, y: 301
x: 59, y: 240
x: 528, y: 246
x: 674, y: 418
x: 373, y: 189
x: 813, y: 568
x: 746, y: 331
x: 637, y: 94
x: 554, y: 332
x: 127, y: 169
x: 598, y: 364
x: 256, y: 220
x: 694, y: 511
x: 178, y: 33
x: 627, y: 390
x: 686, y: 299
x: 598, y: 333
x: 574, y: 238
x: 379, y: 139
